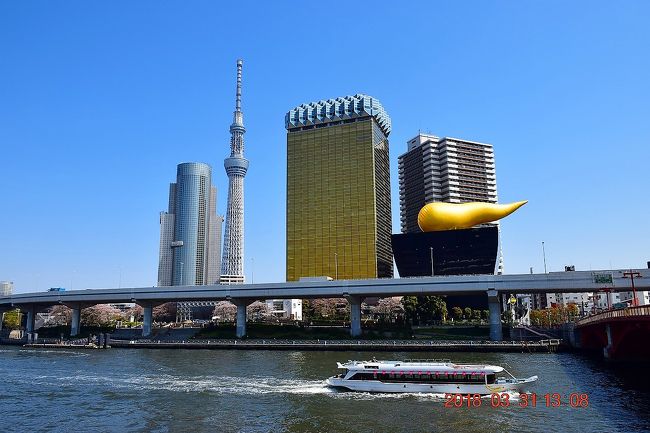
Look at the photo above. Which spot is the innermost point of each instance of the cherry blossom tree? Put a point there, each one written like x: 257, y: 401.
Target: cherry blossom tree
x: 225, y: 311
x: 165, y: 312
x: 325, y: 307
x: 59, y: 315
x: 136, y: 312
x: 257, y: 311
x: 100, y: 315
x: 390, y: 308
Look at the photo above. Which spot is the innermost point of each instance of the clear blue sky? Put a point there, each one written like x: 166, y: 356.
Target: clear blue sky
x: 100, y: 100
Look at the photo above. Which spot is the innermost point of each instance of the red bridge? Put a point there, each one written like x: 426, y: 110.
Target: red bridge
x: 620, y: 334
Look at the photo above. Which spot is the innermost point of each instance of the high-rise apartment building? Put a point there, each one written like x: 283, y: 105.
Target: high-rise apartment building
x: 443, y: 169
x: 448, y: 170
x: 338, y: 189
x: 190, y: 231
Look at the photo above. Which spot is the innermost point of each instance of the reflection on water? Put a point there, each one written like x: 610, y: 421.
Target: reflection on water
x: 274, y: 391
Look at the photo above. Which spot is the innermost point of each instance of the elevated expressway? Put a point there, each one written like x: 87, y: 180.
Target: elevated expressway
x: 354, y: 291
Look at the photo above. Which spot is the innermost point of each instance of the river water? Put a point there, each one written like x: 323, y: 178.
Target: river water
x: 127, y: 390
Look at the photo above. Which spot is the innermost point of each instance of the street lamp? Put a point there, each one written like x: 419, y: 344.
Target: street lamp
x: 631, y: 275
x: 544, y: 254
x: 431, y: 250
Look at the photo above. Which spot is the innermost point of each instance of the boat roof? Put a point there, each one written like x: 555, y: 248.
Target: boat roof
x: 419, y: 364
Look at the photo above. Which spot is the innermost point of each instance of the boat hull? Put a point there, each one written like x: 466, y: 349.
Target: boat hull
x: 435, y: 388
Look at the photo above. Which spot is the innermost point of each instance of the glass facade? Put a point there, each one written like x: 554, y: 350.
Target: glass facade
x: 190, y: 232
x: 191, y: 207
x: 338, y: 200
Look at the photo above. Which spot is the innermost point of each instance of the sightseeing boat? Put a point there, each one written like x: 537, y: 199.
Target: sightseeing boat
x: 427, y: 376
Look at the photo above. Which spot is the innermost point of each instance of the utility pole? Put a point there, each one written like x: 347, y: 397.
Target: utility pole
x: 431, y: 249
x: 544, y: 254
x: 631, y: 275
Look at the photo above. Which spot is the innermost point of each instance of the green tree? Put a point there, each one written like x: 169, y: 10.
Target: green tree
x: 572, y: 311
x: 476, y: 315
x: 485, y: 314
x: 307, y: 310
x: 440, y: 308
x: 410, y: 304
x: 424, y: 308
x: 457, y: 312
x: 468, y: 313
x: 535, y: 317
x: 541, y: 317
x: 12, y: 320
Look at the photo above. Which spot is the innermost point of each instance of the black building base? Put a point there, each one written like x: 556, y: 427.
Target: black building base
x: 455, y: 252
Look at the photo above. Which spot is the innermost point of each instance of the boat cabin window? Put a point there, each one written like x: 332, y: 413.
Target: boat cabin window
x: 424, y: 377
x: 363, y: 376
x: 491, y: 378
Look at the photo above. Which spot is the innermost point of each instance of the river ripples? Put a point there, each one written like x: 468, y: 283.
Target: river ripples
x: 124, y: 390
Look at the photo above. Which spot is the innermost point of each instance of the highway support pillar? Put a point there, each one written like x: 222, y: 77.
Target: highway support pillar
x: 241, y: 316
x: 147, y: 320
x: 2, y: 319
x: 75, y: 324
x: 607, y: 350
x: 494, y: 306
x: 31, y: 319
x: 355, y: 315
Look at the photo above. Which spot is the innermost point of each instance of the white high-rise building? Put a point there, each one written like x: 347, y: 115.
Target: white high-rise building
x: 232, y: 264
x: 6, y: 288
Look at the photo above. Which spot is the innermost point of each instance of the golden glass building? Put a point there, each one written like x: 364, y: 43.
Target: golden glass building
x: 338, y: 190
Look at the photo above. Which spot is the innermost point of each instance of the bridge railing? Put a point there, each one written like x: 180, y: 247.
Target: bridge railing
x: 642, y: 310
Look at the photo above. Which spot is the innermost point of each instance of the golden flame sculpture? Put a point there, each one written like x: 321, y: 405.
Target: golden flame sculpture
x: 440, y: 216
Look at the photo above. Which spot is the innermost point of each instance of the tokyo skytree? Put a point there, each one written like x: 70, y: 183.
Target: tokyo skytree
x: 232, y: 263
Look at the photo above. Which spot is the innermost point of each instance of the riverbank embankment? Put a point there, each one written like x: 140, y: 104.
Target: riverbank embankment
x: 544, y: 346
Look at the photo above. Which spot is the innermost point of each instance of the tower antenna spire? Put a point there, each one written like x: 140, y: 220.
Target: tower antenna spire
x: 240, y: 63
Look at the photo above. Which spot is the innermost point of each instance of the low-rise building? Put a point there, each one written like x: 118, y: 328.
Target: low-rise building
x: 285, y: 308
x: 584, y: 301
x: 643, y: 297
